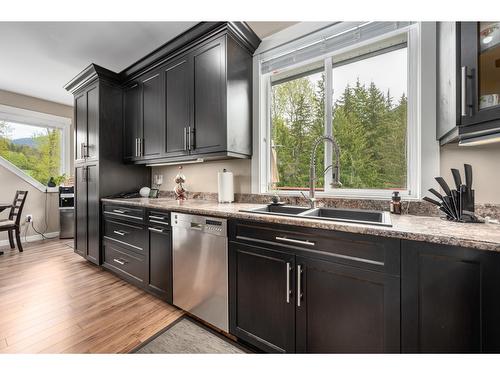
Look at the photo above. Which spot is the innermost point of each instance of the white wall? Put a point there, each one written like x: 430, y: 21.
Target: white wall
x: 9, y: 182
x: 485, y: 161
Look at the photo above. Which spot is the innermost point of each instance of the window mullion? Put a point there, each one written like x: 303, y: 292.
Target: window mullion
x: 328, y: 120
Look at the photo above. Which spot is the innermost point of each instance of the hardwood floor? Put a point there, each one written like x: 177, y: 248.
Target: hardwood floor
x: 53, y: 301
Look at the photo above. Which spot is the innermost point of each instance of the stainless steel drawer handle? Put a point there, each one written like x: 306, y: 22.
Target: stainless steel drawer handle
x: 288, y: 291
x: 120, y: 211
x: 155, y: 230
x: 119, y: 261
x: 157, y: 217
x: 120, y: 232
x: 299, y: 287
x: 298, y: 242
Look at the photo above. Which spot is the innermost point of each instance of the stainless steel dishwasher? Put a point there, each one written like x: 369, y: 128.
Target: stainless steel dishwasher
x: 200, y: 279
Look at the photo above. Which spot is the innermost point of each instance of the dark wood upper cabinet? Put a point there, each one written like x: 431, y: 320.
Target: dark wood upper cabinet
x: 151, y: 144
x: 196, y: 102
x: 468, y: 80
x: 345, y: 309
x: 260, y: 310
x: 178, y: 105
x: 98, y: 152
x: 208, y: 129
x: 480, y: 61
x: 92, y: 147
x: 80, y: 126
x: 131, y: 120
x: 450, y: 299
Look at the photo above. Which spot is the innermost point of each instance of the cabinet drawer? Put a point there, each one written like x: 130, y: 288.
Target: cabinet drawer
x: 127, y: 213
x: 133, y: 236
x: 364, y: 251
x: 158, y: 217
x: 125, y: 262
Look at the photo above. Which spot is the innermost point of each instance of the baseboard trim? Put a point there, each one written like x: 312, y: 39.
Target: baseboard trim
x: 36, y: 237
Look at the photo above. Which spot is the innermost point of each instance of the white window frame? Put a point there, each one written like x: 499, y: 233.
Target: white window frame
x: 422, y: 158
x: 42, y: 120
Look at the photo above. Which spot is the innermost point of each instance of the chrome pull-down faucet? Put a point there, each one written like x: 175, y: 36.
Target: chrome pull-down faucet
x: 335, y: 167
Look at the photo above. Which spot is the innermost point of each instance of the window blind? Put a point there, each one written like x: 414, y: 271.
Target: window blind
x: 327, y: 41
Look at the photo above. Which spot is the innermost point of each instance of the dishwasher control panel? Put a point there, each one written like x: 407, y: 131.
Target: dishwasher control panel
x: 205, y: 224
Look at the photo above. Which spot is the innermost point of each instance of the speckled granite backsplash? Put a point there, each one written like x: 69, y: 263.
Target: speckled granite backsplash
x: 419, y: 208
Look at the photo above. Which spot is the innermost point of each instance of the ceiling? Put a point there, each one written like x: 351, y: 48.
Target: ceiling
x: 264, y: 29
x: 39, y: 58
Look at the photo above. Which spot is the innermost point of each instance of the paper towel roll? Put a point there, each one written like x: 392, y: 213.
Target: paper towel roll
x: 226, y: 186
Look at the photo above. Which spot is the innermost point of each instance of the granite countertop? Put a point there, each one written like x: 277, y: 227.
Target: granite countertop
x: 410, y: 227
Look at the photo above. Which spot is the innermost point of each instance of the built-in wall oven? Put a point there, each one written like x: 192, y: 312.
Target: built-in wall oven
x: 66, y: 211
x: 200, y: 267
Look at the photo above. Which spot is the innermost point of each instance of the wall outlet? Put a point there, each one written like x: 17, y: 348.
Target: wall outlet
x: 29, y: 218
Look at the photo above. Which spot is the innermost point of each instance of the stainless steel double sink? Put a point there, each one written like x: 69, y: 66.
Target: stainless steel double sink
x: 359, y: 216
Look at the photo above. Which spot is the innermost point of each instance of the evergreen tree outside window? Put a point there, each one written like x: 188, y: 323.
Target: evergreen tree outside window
x: 369, y: 122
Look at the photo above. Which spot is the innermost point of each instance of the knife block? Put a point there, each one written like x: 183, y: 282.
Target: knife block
x: 467, y: 207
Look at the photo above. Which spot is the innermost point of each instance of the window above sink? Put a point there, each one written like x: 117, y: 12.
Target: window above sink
x: 366, y: 92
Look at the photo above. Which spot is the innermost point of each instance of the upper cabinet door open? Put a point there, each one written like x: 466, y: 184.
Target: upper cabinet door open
x: 480, y: 71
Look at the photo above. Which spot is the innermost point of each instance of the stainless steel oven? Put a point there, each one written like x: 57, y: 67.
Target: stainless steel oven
x: 200, y: 267
x: 66, y: 211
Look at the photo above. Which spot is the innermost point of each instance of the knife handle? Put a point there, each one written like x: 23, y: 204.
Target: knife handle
x: 456, y: 178
x: 468, y: 175
x: 436, y: 193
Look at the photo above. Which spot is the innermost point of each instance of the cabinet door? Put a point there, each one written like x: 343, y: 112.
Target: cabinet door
x: 152, y: 116
x: 131, y: 120
x: 81, y: 210
x: 160, y: 262
x: 178, y: 95
x: 480, y: 55
x: 262, y: 309
x: 92, y: 149
x: 209, y: 122
x: 344, y: 309
x: 93, y: 210
x: 441, y: 300
x: 80, y: 126
x: 450, y: 299
x: 448, y: 78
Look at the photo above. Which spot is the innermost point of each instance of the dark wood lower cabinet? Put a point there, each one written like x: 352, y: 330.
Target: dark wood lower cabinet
x: 139, y: 249
x: 93, y: 214
x: 450, y: 299
x: 283, y: 302
x: 345, y: 309
x: 160, y: 262
x: 87, y: 239
x: 260, y: 312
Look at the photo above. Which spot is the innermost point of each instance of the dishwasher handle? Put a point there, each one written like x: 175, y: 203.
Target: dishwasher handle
x: 196, y: 226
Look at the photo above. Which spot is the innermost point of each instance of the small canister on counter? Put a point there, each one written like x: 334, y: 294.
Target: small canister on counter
x: 396, y: 203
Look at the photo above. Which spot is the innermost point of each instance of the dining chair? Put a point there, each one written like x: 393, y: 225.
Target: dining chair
x: 12, y: 224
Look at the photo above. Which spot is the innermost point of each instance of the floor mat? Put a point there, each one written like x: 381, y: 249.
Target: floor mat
x: 188, y: 336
